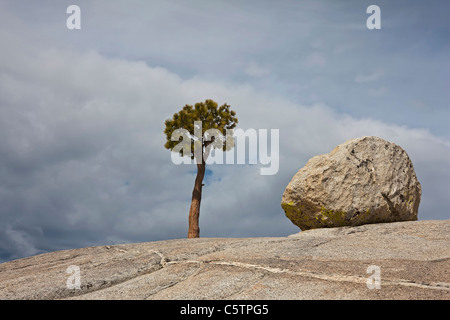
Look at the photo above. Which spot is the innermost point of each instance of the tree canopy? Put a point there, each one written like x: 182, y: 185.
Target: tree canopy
x: 211, y: 116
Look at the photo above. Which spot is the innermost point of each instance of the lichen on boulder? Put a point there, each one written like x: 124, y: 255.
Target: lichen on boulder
x: 364, y: 180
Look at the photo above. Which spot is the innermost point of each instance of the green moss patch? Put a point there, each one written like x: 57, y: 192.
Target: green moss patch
x: 298, y: 214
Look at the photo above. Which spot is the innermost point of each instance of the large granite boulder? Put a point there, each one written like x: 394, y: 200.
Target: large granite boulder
x: 364, y: 180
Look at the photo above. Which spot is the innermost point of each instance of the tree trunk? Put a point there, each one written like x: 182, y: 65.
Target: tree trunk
x: 194, y: 212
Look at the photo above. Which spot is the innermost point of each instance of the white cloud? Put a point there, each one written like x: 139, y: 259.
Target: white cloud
x: 255, y: 70
x: 317, y: 43
x: 315, y: 59
x: 377, y: 92
x: 374, y: 76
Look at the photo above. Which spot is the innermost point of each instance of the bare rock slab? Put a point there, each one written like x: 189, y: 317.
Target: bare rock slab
x: 362, y: 181
x: 413, y: 259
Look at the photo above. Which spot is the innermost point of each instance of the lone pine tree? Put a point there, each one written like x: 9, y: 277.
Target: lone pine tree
x: 201, y: 127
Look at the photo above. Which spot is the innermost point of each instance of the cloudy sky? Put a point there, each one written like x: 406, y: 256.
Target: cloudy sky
x: 82, y: 112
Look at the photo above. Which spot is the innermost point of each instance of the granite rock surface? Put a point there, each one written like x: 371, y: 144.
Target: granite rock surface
x: 413, y: 260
